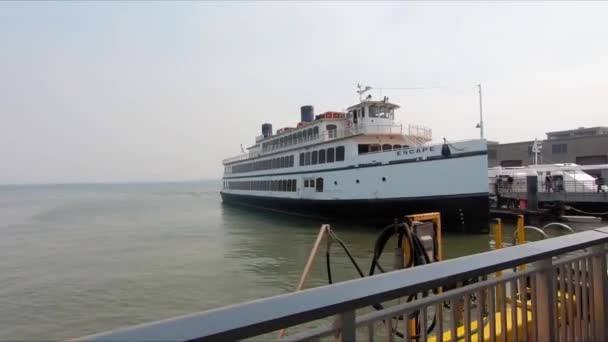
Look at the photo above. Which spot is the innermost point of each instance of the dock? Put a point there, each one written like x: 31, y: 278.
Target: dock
x: 554, y: 289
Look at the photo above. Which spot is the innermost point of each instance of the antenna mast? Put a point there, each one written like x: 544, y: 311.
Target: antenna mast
x: 362, y: 90
x: 480, y: 125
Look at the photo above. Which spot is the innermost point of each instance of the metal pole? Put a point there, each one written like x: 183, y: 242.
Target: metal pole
x: 480, y: 113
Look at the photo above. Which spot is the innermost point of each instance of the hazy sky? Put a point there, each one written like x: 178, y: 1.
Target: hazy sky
x: 128, y: 91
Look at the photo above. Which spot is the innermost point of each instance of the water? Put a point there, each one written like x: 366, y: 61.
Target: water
x: 80, y: 259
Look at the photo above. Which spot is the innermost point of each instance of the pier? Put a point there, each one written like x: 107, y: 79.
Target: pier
x: 540, y: 200
x: 555, y: 289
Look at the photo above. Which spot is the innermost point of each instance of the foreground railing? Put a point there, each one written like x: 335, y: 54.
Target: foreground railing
x: 561, y: 296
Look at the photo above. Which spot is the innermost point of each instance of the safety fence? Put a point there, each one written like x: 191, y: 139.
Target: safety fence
x: 574, y: 186
x: 412, y: 134
x: 549, y: 290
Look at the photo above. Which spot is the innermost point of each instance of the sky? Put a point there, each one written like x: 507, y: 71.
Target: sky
x: 154, y: 91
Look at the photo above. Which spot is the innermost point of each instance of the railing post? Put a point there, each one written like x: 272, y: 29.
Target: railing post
x: 600, y: 294
x: 545, y: 294
x: 346, y: 321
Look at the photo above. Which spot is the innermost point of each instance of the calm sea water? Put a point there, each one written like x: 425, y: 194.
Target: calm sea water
x: 80, y: 259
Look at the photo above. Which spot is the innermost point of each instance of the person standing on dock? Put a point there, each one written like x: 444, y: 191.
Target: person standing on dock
x: 599, y: 181
x: 548, y: 184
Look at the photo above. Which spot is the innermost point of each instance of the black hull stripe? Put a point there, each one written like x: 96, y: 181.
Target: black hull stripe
x: 360, y: 166
x: 463, y: 213
x: 359, y: 200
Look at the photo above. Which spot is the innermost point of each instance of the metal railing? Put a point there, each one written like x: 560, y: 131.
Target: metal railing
x: 562, y: 295
x: 578, y: 186
x: 414, y: 135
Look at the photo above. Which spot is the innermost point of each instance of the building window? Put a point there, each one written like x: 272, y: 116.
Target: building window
x: 330, y: 155
x: 322, y: 157
x: 511, y: 163
x: 559, y: 148
x: 319, y: 184
x: 591, y: 160
x: 340, y: 153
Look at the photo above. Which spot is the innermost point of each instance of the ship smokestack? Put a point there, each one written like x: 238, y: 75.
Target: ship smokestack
x: 266, y: 130
x: 307, y: 113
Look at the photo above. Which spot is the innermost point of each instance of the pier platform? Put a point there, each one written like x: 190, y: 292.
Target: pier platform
x: 555, y: 289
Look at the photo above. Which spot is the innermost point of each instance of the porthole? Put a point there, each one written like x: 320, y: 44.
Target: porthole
x: 384, y: 179
x: 335, y: 182
x: 357, y: 181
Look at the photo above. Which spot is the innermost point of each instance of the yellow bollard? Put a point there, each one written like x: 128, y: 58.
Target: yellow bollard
x: 521, y: 236
x: 498, y: 242
x: 498, y: 239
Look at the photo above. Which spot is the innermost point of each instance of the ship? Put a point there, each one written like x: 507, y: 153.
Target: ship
x: 359, y: 164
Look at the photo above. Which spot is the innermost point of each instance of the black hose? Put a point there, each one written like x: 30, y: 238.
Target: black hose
x: 418, y: 256
x: 328, y: 266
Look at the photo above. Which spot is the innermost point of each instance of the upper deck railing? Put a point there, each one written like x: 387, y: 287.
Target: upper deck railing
x: 414, y: 134
x: 561, y: 296
x: 562, y: 191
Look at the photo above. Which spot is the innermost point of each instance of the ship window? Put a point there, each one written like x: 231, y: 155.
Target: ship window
x: 307, y: 158
x: 340, y: 153
x: 314, y: 156
x: 331, y: 127
x: 322, y: 157
x: 306, y: 183
x: 302, y: 159
x: 330, y: 155
x: 386, y: 147
x: 309, y: 133
x: 396, y: 147
x: 315, y: 131
x: 284, y: 185
x: 363, y: 148
x: 299, y: 136
x: 362, y: 112
x: 319, y: 184
x: 374, y: 148
x: 291, y: 160
x: 311, y: 183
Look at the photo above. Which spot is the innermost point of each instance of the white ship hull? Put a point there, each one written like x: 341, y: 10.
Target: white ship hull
x: 380, y: 186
